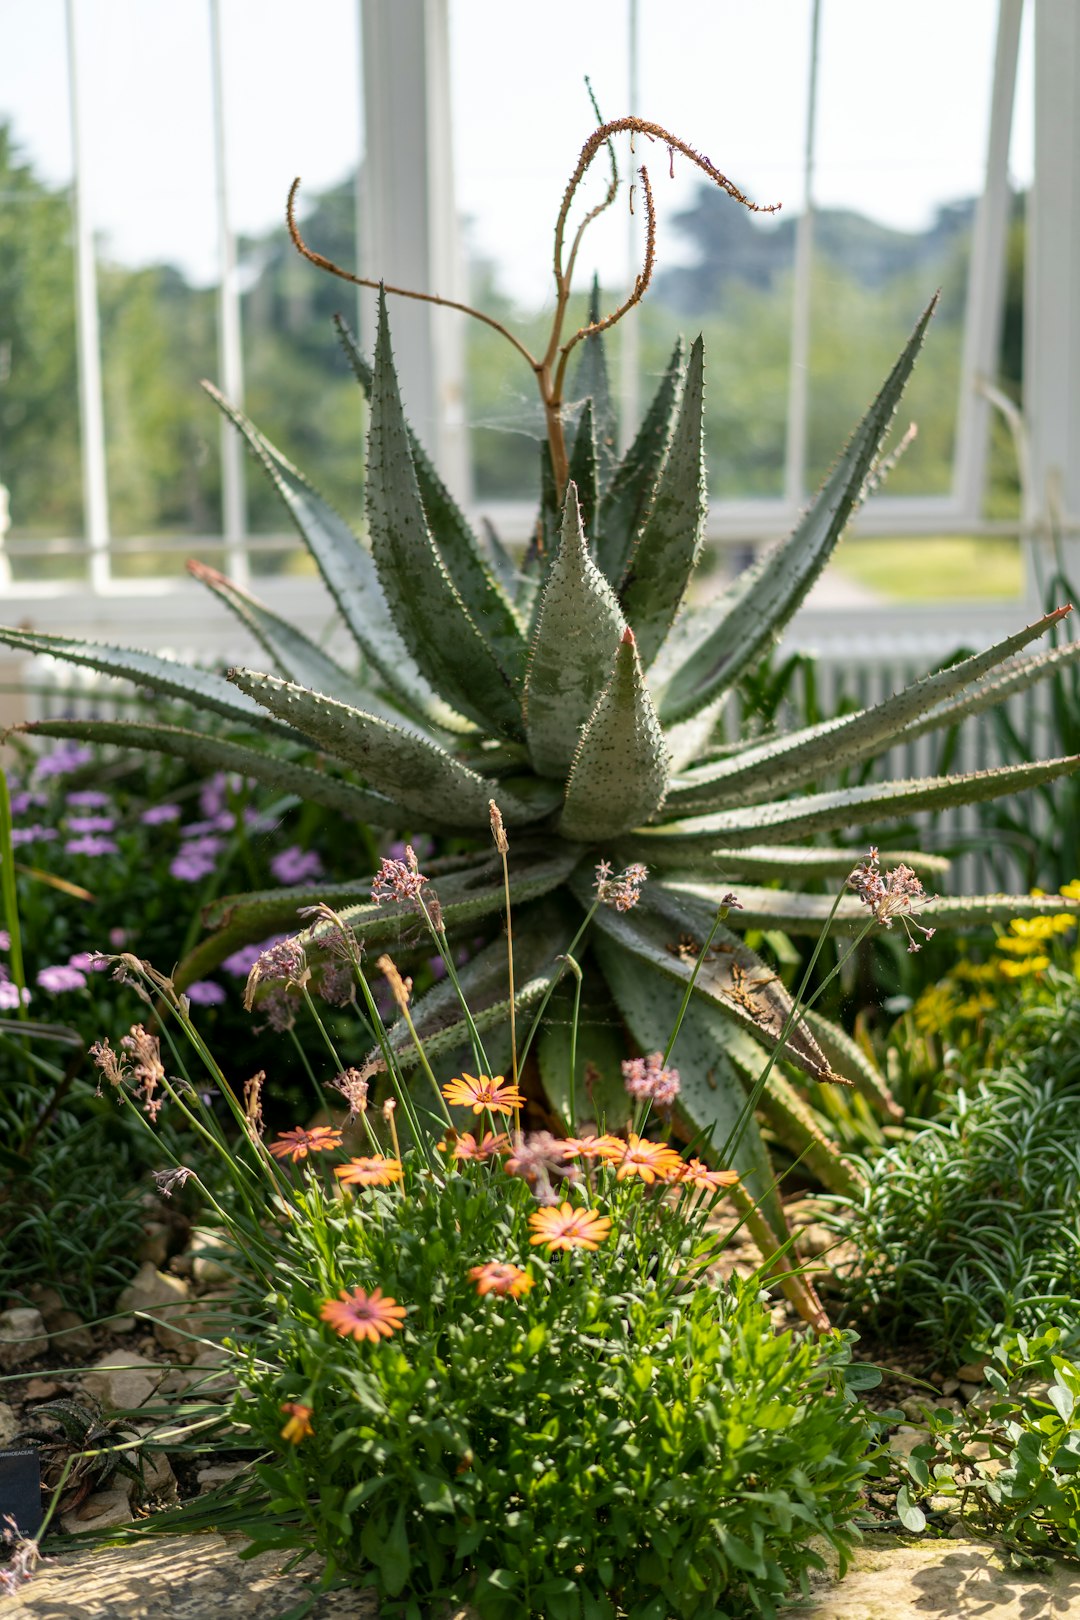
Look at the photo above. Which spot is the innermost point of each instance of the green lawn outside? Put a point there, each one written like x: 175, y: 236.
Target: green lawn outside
x: 936, y: 568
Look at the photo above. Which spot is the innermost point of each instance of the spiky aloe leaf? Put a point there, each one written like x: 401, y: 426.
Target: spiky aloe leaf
x: 546, y: 929
x: 667, y: 931
x: 790, y: 761
x: 808, y: 913
x: 796, y: 1126
x: 583, y: 470
x: 623, y: 508
x: 438, y: 629
x: 847, y: 1057
x: 466, y: 896
x: 408, y: 768
x: 181, y: 682
x: 668, y: 544
x: 619, y: 774
x: 849, y: 807
x: 787, y: 861
x: 791, y: 569
x: 477, y: 584
x: 218, y: 754
x: 591, y: 382
x: 349, y: 575
x: 1016, y: 676
x: 711, y: 1091
x: 295, y: 654
x: 578, y: 625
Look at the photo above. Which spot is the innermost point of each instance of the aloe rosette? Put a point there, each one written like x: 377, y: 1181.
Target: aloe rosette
x: 579, y: 692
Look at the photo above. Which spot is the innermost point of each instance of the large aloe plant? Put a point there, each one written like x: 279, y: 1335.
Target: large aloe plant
x: 579, y: 692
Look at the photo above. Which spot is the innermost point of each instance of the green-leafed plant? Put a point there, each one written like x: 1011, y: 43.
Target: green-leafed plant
x: 1010, y: 1465
x: 579, y: 692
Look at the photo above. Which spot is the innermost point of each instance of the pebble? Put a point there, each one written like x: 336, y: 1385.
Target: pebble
x: 9, y: 1424
x: 972, y: 1372
x: 22, y: 1336
x: 162, y: 1296
x: 122, y: 1379
x: 100, y: 1511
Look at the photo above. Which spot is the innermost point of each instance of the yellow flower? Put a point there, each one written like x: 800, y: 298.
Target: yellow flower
x: 652, y: 1161
x: 1025, y: 967
x: 480, y: 1091
x: 299, y: 1425
x: 1070, y: 891
x: 373, y: 1172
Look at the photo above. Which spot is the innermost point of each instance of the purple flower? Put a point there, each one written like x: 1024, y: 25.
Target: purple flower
x: 9, y: 996
x: 259, y: 820
x: 91, y: 845
x: 159, y: 813
x: 296, y: 865
x: 225, y: 822
x: 212, y: 794
x: 37, y: 834
x: 205, y: 993
x: 196, y: 860
x: 241, y: 962
x: 88, y: 962
x: 647, y: 1080
x: 67, y: 757
x: 5, y: 940
x: 88, y: 799
x: 21, y: 802
x: 90, y: 824
x: 57, y: 979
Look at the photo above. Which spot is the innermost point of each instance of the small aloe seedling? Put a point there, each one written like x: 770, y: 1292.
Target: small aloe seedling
x: 580, y: 693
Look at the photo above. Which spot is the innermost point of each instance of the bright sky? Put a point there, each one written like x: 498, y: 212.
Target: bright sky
x: 902, y: 112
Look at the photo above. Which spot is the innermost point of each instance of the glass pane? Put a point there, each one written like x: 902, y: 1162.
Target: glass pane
x: 292, y: 94
x: 904, y: 102
x: 39, y: 414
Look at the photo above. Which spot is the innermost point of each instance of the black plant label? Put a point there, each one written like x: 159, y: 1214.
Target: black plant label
x: 20, y: 1492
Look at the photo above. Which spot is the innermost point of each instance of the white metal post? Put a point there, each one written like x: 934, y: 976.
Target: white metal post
x: 412, y: 236
x: 1052, y: 305
x: 230, y: 337
x: 799, y: 363
x: 87, y: 334
x: 986, y: 275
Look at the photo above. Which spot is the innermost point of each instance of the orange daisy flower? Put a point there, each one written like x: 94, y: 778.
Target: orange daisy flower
x: 652, y: 1161
x: 466, y: 1146
x: 480, y: 1091
x: 595, y: 1147
x: 695, y: 1173
x: 569, y: 1228
x: 499, y: 1278
x: 299, y: 1425
x: 374, y: 1172
x: 298, y: 1143
x: 372, y: 1316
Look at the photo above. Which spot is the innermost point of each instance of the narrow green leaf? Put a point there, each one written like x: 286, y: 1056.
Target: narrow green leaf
x: 711, y: 1091
x: 600, y: 1048
x: 848, y: 1058
x: 404, y: 766
x: 786, y: 762
x: 791, y: 569
x: 857, y: 806
x: 183, y: 682
x: 478, y: 585
x: 426, y: 606
x: 578, y: 626
x: 667, y: 930
x: 218, y: 754
x: 619, y: 774
x: 623, y: 508
x: 348, y: 574
x: 591, y: 382
x: 582, y: 471
x: 1014, y: 677
x: 295, y: 654
x: 668, y: 545
x: 544, y: 930
x: 796, y: 1126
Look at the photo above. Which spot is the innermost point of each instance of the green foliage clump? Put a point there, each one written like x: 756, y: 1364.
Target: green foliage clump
x: 611, y: 1442
x: 1011, y: 1464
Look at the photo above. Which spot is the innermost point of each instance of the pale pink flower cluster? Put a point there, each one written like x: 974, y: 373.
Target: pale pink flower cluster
x: 890, y: 895
x: 648, y: 1081
x: 622, y: 892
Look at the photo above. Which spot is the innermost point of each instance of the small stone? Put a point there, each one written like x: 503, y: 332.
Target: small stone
x: 9, y: 1424
x: 218, y: 1474
x: 122, y: 1380
x: 207, y: 1249
x: 70, y: 1333
x: 211, y: 1373
x: 972, y: 1372
x: 905, y: 1439
x: 99, y: 1512
x: 971, y: 1392
x: 940, y: 1503
x: 950, y: 1386
x: 153, y: 1248
x: 914, y: 1408
x: 158, y: 1479
x: 122, y: 1324
x: 161, y: 1296
x: 22, y: 1336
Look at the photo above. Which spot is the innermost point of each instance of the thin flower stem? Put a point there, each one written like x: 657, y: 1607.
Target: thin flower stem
x: 721, y: 916
x: 439, y: 937
x: 401, y: 1091
x: 424, y: 1064
x: 567, y: 955
x: 575, y: 969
